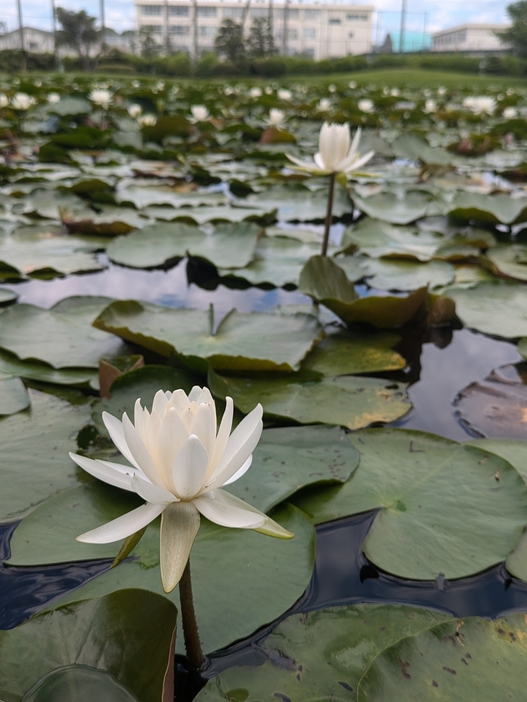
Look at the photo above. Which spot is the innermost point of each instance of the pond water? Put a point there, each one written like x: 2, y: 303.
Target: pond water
x: 440, y: 363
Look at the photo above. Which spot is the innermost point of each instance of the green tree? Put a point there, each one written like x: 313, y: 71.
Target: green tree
x: 229, y: 41
x: 516, y: 34
x: 147, y: 44
x: 77, y: 31
x: 261, y: 40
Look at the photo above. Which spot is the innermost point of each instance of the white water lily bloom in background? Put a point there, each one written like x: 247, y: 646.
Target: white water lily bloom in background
x: 199, y: 113
x: 22, y: 101
x: 324, y: 105
x: 135, y: 111
x: 430, y: 106
x: 284, y: 94
x: 179, y: 463
x: 481, y: 104
x: 101, y: 97
x: 276, y: 118
x: 510, y: 113
x: 337, y: 153
x: 4, y: 100
x: 366, y: 105
x: 53, y: 98
x: 147, y: 120
x: 255, y: 92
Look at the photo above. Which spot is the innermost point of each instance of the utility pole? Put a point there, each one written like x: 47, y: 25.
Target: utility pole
x: 284, y: 38
x: 195, y: 48
x: 167, y: 35
x: 54, y: 30
x: 403, y: 20
x: 103, y: 27
x: 21, y: 32
x: 271, y: 18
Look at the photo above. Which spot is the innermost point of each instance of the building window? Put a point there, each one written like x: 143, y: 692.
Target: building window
x: 179, y: 10
x: 257, y: 12
x: 292, y: 33
x: 233, y: 12
x: 207, y: 31
x: 311, y: 14
x: 179, y: 29
x: 152, y: 28
x: 310, y: 53
x: 310, y: 33
x: 355, y: 17
x: 206, y: 11
x: 150, y: 9
x: 293, y: 13
x: 334, y: 20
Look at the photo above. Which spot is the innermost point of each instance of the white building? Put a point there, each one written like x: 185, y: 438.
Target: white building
x: 313, y: 29
x: 469, y: 37
x: 35, y: 40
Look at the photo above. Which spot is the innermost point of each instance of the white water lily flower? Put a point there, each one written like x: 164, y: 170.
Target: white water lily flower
x: 352, y: 85
x: 430, y: 106
x: 101, y: 97
x: 276, y: 118
x: 135, y: 111
x: 337, y: 153
x: 255, y: 92
x: 147, y: 120
x: 366, y: 105
x: 199, y: 113
x: 284, y: 94
x: 22, y: 101
x: 179, y: 463
x: 481, y: 104
x: 324, y: 105
x: 510, y: 112
x: 4, y: 101
x: 53, y: 98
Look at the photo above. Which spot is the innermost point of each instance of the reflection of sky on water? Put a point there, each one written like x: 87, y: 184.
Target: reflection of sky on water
x: 168, y: 288
x: 445, y: 372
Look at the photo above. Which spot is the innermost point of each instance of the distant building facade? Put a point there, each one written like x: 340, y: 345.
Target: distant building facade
x: 310, y: 29
x: 36, y: 41
x: 469, y: 37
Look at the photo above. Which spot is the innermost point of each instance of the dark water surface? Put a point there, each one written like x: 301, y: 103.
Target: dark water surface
x: 441, y: 364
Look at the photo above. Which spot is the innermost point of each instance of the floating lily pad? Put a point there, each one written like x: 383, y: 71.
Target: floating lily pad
x: 417, y: 148
x: 35, y: 447
x: 7, y: 297
x: 348, y: 401
x: 319, y: 655
x: 229, y: 245
x: 407, y: 275
x: 324, y: 281
x: 128, y: 634
x: 145, y: 196
x: 346, y: 353
x: 201, y: 215
x: 444, y: 507
x: 34, y: 370
x: 79, y: 682
x: 499, y: 309
x: 400, y: 208
x: 253, y: 341
x: 273, y: 572
x: 497, y: 209
x: 497, y: 406
x: 472, y: 658
x: 70, y: 106
x: 13, y: 396
x: 61, y: 336
x: 510, y: 260
x: 299, y: 204
x: 377, y: 238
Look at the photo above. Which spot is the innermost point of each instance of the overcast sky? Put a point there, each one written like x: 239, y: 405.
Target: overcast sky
x: 434, y: 14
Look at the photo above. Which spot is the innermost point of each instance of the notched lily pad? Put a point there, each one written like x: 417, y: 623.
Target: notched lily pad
x: 13, y: 396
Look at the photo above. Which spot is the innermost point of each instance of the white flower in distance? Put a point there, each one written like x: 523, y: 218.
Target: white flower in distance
x: 366, y: 105
x: 53, y: 98
x: 4, y: 101
x: 324, y: 105
x: 352, y: 85
x: 22, y: 101
x: 276, y: 118
x: 199, y: 113
x: 510, y: 112
x: 179, y: 463
x: 284, y: 94
x: 101, y: 97
x: 430, y: 106
x: 147, y: 120
x: 255, y: 92
x: 135, y: 111
x: 480, y: 105
x: 337, y: 153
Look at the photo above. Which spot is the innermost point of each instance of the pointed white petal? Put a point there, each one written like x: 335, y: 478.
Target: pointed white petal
x: 272, y: 528
x: 303, y: 164
x: 190, y: 468
x: 361, y: 162
x: 356, y: 140
x: 139, y: 451
x: 141, y: 417
x: 317, y: 158
x: 111, y: 473
x: 240, y: 446
x: 116, y: 432
x: 152, y: 493
x: 179, y: 400
x: 159, y: 404
x: 179, y: 526
x: 240, y: 472
x: 123, y: 526
x: 227, y: 510
x: 204, y: 426
x: 170, y: 440
x: 194, y: 393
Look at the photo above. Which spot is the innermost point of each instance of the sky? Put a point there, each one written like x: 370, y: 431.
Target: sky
x: 432, y: 14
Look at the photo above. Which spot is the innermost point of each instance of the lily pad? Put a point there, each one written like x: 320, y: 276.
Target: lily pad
x: 7, y: 297
x: 128, y: 634
x: 34, y: 370
x: 497, y: 209
x: 253, y: 341
x: 79, y: 682
x: 497, y: 406
x: 70, y: 106
x: 346, y: 353
x: 319, y: 655
x: 229, y: 245
x: 444, y: 507
x: 509, y: 260
x: 273, y: 572
x: 499, y: 309
x: 377, y: 238
x: 299, y: 204
x: 35, y: 447
x: 407, y: 275
x: 324, y: 281
x: 348, y: 401
x: 220, y: 213
x: 13, y: 396
x: 399, y: 208
x: 471, y: 659
x: 61, y: 336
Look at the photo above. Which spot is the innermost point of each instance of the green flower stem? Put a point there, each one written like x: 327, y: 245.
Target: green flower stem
x: 188, y: 619
x: 329, y: 214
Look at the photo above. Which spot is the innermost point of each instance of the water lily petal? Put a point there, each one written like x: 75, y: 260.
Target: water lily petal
x: 116, y: 432
x: 139, y: 451
x: 308, y: 165
x: 152, y: 493
x: 355, y: 142
x: 141, y: 416
x: 172, y: 435
x: 179, y: 526
x: 354, y: 166
x: 204, y: 425
x: 159, y: 404
x: 227, y: 510
x: 240, y: 446
x: 123, y: 526
x: 190, y: 467
x: 222, y: 438
x: 111, y: 473
x: 240, y: 472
